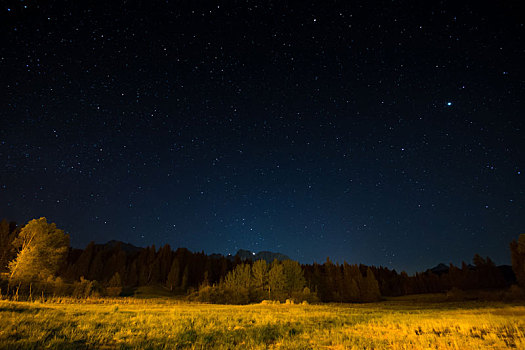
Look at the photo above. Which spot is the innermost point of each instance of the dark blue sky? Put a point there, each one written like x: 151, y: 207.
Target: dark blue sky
x: 388, y: 134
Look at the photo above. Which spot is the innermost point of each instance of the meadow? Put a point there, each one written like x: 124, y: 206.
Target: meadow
x: 166, y: 323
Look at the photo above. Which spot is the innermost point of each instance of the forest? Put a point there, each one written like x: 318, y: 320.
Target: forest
x: 37, y: 260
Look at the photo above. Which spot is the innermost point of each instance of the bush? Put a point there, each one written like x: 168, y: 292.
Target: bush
x: 86, y: 288
x: 305, y: 295
x: 113, y: 291
x: 491, y: 295
x: 515, y: 293
x: 114, y: 287
x: 222, y: 295
x: 206, y: 294
x: 61, y: 288
x: 456, y: 294
x: 258, y: 295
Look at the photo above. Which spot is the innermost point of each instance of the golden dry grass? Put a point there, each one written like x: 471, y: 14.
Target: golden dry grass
x: 169, y: 324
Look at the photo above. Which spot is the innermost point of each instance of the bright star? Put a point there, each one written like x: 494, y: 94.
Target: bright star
x: 449, y: 103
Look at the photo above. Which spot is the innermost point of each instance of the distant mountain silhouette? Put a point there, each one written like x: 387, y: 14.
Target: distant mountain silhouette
x: 506, y: 271
x: 242, y: 254
x: 439, y: 269
x: 442, y: 268
x: 264, y: 255
x: 126, y: 247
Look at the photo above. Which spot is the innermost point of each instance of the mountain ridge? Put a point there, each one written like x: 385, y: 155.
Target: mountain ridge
x: 242, y: 254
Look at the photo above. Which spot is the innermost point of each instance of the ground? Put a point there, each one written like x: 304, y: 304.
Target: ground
x: 398, y: 323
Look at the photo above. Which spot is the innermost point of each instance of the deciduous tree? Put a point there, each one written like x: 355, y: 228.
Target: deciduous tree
x: 42, y: 248
x: 260, y: 274
x: 276, y: 280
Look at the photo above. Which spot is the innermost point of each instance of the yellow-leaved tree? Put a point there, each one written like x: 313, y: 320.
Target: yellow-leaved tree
x: 42, y: 247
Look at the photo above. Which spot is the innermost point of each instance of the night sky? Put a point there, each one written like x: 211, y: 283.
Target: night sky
x: 387, y: 133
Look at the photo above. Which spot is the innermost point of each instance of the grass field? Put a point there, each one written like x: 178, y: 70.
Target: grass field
x: 167, y: 323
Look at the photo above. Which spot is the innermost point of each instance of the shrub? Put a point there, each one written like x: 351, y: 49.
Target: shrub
x: 456, y: 294
x: 114, y: 287
x: 86, y: 288
x: 515, y: 293
x: 222, y: 295
x: 305, y: 295
x: 60, y: 288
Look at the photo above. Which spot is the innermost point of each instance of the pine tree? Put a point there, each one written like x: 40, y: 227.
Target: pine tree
x: 97, y: 267
x: 185, y: 278
x: 358, y: 278
x: 8, y: 233
x: 370, y: 291
x: 293, y: 277
x: 81, y: 266
x: 131, y: 277
x: 114, y: 287
x: 350, y: 287
x: 318, y: 281
x: 154, y: 272
x: 331, y: 281
x: 164, y: 257
x: 172, y: 282
x: 143, y: 267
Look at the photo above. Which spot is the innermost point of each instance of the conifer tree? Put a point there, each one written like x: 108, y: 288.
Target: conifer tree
x: 114, y: 287
x: 97, y: 267
x: 8, y: 234
x: 131, y: 278
x: 293, y: 277
x: 164, y: 257
x: 172, y: 282
x: 185, y: 278
x: 81, y: 266
x: 350, y: 287
x: 517, y: 252
x: 370, y: 291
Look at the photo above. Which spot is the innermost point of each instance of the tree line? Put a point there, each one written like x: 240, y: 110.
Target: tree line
x: 38, y: 256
